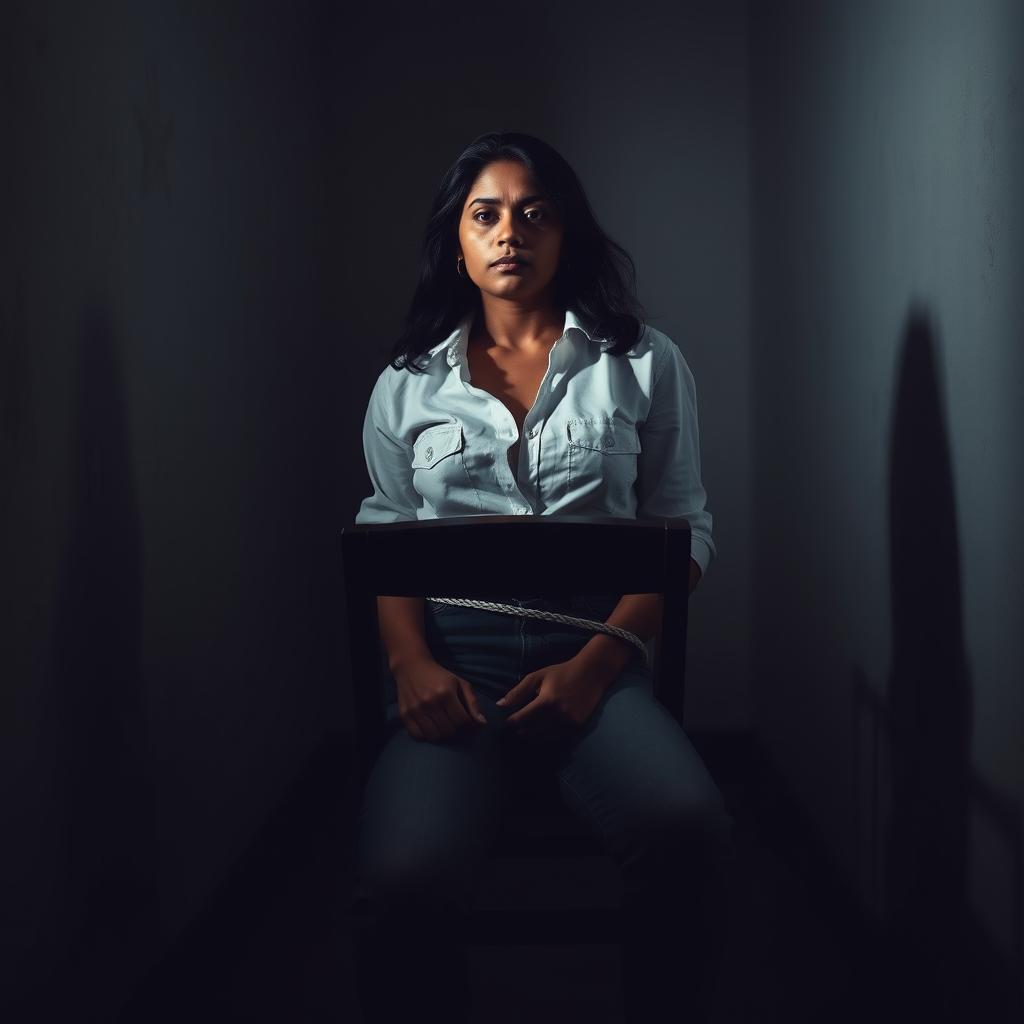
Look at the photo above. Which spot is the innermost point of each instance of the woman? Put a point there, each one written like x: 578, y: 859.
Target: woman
x: 540, y: 392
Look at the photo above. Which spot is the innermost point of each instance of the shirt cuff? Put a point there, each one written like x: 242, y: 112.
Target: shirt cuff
x: 700, y: 552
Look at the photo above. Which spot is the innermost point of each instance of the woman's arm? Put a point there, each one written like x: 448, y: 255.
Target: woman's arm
x: 636, y: 613
x: 401, y: 629
x: 668, y: 480
x: 388, y: 463
x: 695, y: 575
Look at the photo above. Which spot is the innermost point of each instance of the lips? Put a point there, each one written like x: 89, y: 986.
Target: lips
x: 506, y: 261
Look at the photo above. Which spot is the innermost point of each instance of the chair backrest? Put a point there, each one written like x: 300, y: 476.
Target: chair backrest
x: 557, y: 556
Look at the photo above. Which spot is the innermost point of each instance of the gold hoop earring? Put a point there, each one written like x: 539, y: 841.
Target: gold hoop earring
x: 458, y: 268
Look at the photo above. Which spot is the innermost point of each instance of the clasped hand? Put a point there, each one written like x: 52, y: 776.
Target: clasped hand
x: 555, y: 699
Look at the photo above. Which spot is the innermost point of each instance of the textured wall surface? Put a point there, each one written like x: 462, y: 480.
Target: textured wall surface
x: 887, y: 156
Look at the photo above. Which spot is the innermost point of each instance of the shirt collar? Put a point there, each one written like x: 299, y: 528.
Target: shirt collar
x: 456, y: 342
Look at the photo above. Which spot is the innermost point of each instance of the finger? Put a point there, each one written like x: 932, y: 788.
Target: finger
x: 458, y: 712
x: 526, y: 714
x: 523, y: 700
x: 429, y: 726
x: 448, y: 724
x: 519, y: 693
x: 474, y: 705
x: 415, y: 728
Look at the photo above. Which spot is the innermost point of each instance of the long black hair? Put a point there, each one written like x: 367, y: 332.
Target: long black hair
x: 596, y: 276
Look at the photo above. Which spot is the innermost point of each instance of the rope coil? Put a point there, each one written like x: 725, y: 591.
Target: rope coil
x: 535, y: 613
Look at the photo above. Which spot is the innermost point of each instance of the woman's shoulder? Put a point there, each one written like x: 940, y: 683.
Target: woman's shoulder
x: 663, y: 346
x: 657, y: 339
x: 651, y: 344
x: 393, y: 381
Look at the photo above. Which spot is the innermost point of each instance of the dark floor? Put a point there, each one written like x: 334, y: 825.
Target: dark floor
x: 275, y: 946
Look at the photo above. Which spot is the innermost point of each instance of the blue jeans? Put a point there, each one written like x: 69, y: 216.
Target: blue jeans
x: 430, y: 811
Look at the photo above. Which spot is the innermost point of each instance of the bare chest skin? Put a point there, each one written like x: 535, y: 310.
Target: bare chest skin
x: 512, y: 378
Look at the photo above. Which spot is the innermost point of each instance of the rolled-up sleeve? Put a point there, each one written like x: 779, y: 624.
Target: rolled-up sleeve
x: 668, y: 476
x: 388, y: 462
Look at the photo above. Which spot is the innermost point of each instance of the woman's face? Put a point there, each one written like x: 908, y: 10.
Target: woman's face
x: 506, y: 212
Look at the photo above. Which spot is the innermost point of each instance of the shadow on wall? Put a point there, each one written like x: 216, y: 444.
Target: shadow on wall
x: 929, y: 692
x: 919, y: 789
x: 104, y: 801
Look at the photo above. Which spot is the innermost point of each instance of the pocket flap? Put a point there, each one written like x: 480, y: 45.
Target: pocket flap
x: 435, y: 443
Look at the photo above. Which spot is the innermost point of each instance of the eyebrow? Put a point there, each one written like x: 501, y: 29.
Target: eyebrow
x: 497, y: 202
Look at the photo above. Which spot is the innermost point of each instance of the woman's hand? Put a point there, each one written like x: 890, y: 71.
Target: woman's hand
x: 558, y: 699
x: 433, y: 703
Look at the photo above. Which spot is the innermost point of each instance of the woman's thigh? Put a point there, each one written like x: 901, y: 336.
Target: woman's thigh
x: 634, y: 774
x: 428, y: 812
x: 631, y: 771
x: 430, y: 809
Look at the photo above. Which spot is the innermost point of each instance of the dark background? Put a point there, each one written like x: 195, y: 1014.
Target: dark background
x: 211, y: 215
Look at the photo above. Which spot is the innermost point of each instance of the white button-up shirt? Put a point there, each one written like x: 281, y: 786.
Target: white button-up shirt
x: 607, y: 436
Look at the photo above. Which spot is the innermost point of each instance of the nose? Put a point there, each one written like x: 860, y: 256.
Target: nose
x: 508, y: 234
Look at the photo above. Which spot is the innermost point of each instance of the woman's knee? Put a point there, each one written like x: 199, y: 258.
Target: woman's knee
x: 691, y: 823
x: 685, y: 856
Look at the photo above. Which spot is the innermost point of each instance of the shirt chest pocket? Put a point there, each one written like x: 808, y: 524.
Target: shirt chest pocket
x: 602, y: 454
x: 435, y: 444
x: 439, y: 469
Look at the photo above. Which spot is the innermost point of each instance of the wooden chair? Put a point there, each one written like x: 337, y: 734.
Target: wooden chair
x: 554, y: 556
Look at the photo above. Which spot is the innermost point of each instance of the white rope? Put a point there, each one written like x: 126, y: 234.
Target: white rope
x: 536, y: 613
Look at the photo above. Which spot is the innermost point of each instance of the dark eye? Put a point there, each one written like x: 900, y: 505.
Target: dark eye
x: 541, y: 214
